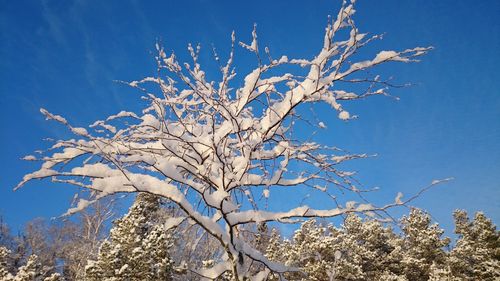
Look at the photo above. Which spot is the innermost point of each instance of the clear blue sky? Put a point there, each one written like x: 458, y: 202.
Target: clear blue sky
x: 64, y: 56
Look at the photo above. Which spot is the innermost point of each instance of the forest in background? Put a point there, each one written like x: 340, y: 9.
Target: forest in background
x: 145, y: 244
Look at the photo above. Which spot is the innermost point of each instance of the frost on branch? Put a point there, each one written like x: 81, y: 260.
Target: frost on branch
x: 210, y: 148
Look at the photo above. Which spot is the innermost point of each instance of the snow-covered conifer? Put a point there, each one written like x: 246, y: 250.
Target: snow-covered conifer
x: 30, y: 271
x: 137, y: 248
x: 5, y: 264
x: 476, y: 255
x: 275, y: 249
x: 359, y: 250
x: 441, y: 272
x: 369, y: 244
x: 422, y: 245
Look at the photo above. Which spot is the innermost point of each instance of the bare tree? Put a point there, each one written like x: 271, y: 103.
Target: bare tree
x: 6, y: 238
x: 62, y: 245
x: 214, y: 150
x: 84, y: 237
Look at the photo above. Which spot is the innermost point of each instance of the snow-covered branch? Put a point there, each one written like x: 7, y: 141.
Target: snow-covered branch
x: 207, y: 140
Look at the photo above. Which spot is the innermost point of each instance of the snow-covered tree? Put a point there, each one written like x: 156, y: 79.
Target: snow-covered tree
x: 137, y: 248
x: 43, y: 240
x: 215, y: 147
x: 422, y: 245
x: 5, y: 264
x: 79, y: 241
x: 30, y: 271
x: 359, y: 250
x: 275, y: 249
x: 12, y: 248
x: 364, y: 249
x: 476, y: 255
x: 370, y: 245
x: 441, y: 273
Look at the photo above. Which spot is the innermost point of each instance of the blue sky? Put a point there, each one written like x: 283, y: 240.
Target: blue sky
x: 65, y: 55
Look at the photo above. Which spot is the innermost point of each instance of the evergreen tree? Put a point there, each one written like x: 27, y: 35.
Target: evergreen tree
x: 476, y: 255
x: 422, y: 245
x: 30, y: 271
x: 440, y: 272
x: 5, y: 264
x: 312, y: 251
x: 275, y: 248
x: 370, y: 245
x: 359, y: 250
x: 137, y: 248
x: 364, y: 249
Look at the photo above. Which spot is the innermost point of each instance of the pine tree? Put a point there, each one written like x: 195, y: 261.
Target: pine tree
x: 422, y: 245
x: 370, y: 245
x: 30, y: 271
x: 441, y: 273
x: 5, y: 264
x: 137, y: 248
x: 275, y: 247
x: 476, y: 255
x: 359, y: 250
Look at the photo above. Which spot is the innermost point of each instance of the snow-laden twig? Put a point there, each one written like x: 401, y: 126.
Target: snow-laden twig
x: 219, y: 143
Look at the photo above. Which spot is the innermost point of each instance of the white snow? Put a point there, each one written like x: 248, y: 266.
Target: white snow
x: 50, y: 116
x: 80, y: 131
x: 398, y: 198
x: 42, y: 173
x: 344, y: 115
x: 204, y: 141
x: 266, y: 193
x: 122, y: 114
x: 173, y: 222
x: 29, y: 158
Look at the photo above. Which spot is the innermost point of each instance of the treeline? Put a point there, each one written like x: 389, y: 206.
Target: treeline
x: 364, y: 249
x: 147, y: 244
